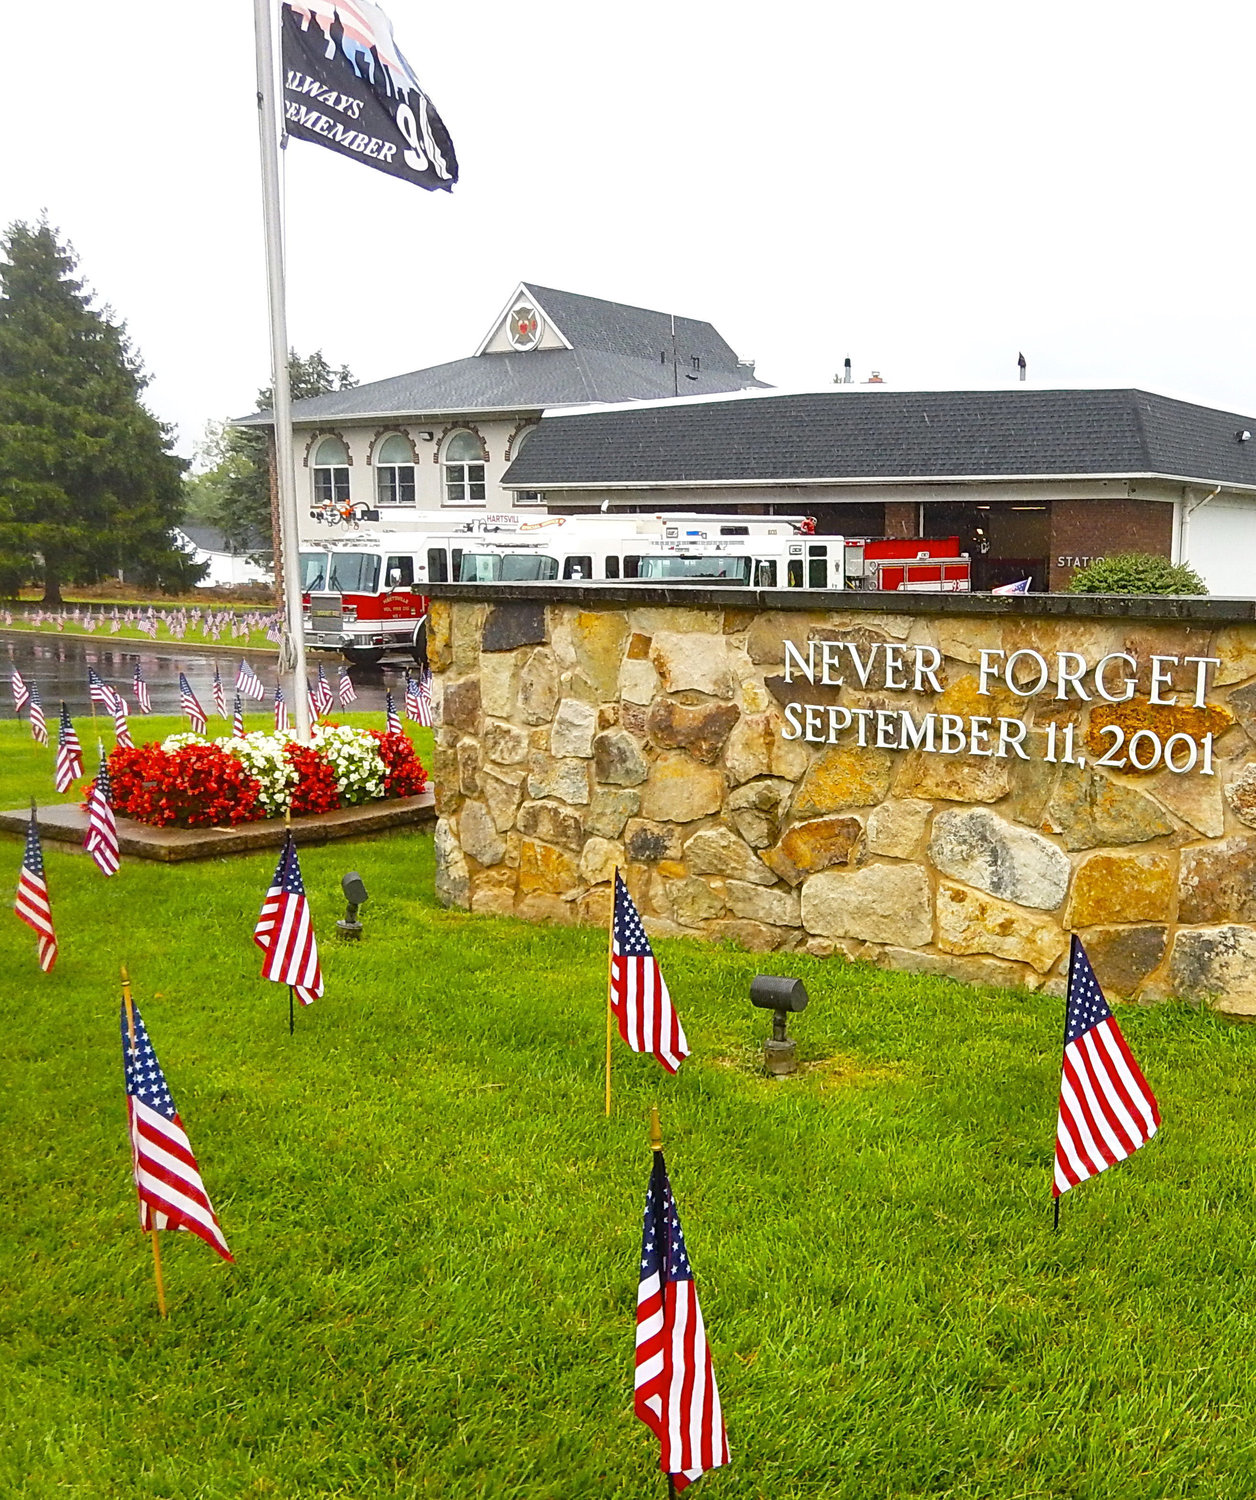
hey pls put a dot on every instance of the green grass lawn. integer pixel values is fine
(437, 1232)
(193, 635)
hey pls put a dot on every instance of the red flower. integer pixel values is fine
(316, 790)
(404, 775)
(197, 786)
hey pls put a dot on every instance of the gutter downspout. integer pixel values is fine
(1184, 527)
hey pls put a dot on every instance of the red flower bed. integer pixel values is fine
(194, 787)
(405, 776)
(316, 790)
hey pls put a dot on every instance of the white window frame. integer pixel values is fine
(458, 477)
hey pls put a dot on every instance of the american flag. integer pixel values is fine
(39, 727)
(98, 690)
(32, 904)
(647, 1019)
(281, 709)
(121, 730)
(1021, 587)
(237, 719)
(249, 683)
(21, 693)
(167, 1179)
(189, 704)
(220, 698)
(675, 1393)
(345, 690)
(69, 765)
(412, 699)
(322, 695)
(141, 693)
(393, 723)
(1106, 1109)
(102, 831)
(425, 699)
(284, 932)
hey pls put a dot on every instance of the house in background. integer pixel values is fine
(439, 439)
(226, 565)
(1035, 483)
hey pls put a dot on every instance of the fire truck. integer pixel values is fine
(364, 594)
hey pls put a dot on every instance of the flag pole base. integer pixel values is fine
(1057, 1213)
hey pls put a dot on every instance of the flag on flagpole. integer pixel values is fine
(167, 1180)
(97, 689)
(1021, 587)
(190, 705)
(346, 52)
(39, 726)
(675, 1393)
(220, 698)
(21, 693)
(281, 710)
(121, 730)
(323, 693)
(141, 693)
(425, 698)
(32, 905)
(102, 831)
(638, 992)
(412, 699)
(345, 690)
(237, 719)
(249, 683)
(1107, 1111)
(284, 932)
(69, 763)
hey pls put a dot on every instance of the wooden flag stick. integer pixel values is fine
(161, 1285)
(610, 1011)
(656, 1132)
(130, 1009)
(291, 1013)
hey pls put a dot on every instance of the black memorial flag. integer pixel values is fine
(347, 86)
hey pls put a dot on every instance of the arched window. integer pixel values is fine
(331, 472)
(525, 497)
(394, 472)
(464, 470)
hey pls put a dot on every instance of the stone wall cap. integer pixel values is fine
(1168, 608)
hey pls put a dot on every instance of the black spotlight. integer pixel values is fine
(355, 895)
(776, 993)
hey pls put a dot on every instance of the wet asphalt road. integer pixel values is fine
(60, 667)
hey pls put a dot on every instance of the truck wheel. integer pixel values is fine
(363, 656)
(419, 648)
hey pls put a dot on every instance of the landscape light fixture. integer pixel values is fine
(355, 895)
(780, 995)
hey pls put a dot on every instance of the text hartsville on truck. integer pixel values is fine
(364, 593)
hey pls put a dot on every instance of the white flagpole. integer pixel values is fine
(292, 645)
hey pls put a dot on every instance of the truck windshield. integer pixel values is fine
(313, 571)
(354, 573)
(510, 567)
(678, 568)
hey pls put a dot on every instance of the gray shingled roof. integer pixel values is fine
(898, 435)
(619, 353)
(212, 539)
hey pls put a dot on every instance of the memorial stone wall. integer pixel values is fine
(942, 785)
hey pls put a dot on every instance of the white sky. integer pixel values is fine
(929, 188)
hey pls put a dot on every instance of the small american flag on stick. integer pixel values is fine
(284, 932)
(322, 695)
(249, 683)
(39, 726)
(675, 1392)
(141, 693)
(101, 841)
(69, 764)
(220, 698)
(121, 730)
(281, 710)
(21, 693)
(190, 705)
(411, 699)
(392, 722)
(167, 1179)
(345, 689)
(237, 719)
(425, 698)
(32, 905)
(99, 691)
(639, 998)
(1107, 1111)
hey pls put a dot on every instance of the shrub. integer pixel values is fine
(1136, 573)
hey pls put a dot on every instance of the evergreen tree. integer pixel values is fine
(235, 489)
(87, 478)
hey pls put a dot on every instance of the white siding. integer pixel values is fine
(1221, 547)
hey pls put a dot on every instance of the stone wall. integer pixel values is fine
(579, 731)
